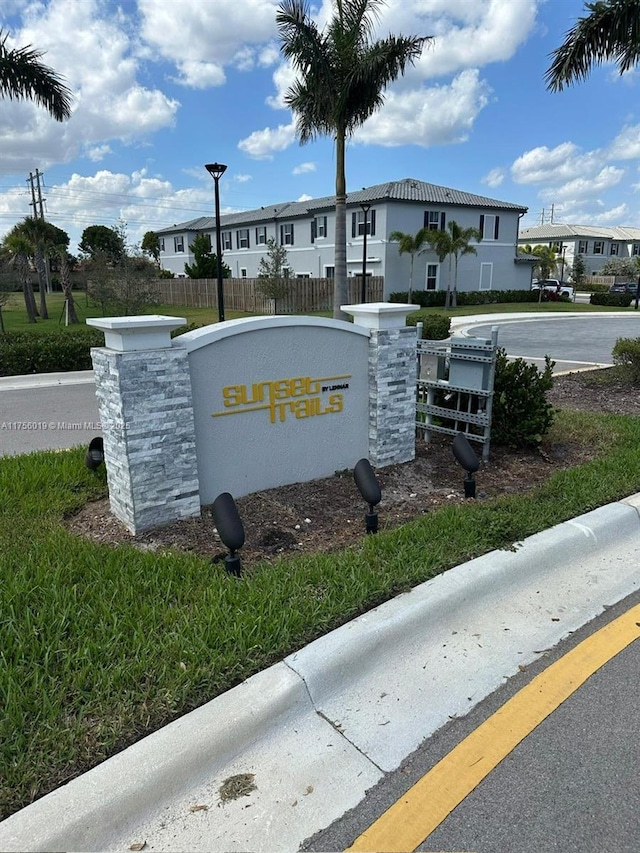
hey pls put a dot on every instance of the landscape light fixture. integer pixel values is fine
(465, 455)
(94, 456)
(217, 170)
(363, 290)
(369, 488)
(229, 524)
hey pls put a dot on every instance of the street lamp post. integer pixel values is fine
(564, 249)
(217, 170)
(363, 289)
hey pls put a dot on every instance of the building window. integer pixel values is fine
(286, 234)
(162, 244)
(635, 249)
(434, 220)
(357, 223)
(329, 272)
(243, 272)
(261, 235)
(178, 244)
(432, 277)
(489, 226)
(598, 247)
(242, 238)
(318, 228)
(303, 275)
(582, 247)
(556, 246)
(486, 276)
(226, 241)
(614, 249)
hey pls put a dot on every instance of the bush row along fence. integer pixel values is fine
(243, 294)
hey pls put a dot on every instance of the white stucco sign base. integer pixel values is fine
(249, 404)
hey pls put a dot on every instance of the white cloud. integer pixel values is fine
(201, 38)
(304, 197)
(587, 186)
(96, 56)
(242, 179)
(554, 165)
(626, 145)
(303, 168)
(494, 178)
(262, 143)
(97, 152)
(429, 116)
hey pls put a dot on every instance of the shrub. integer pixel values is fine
(435, 327)
(521, 414)
(621, 300)
(47, 352)
(626, 353)
(436, 298)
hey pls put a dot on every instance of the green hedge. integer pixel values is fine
(435, 327)
(621, 300)
(436, 298)
(22, 353)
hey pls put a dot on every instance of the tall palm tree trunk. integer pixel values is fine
(27, 289)
(340, 291)
(39, 260)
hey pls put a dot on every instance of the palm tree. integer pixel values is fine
(18, 247)
(453, 242)
(610, 32)
(547, 261)
(36, 232)
(343, 73)
(24, 77)
(410, 244)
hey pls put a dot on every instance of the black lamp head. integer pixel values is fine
(369, 488)
(467, 458)
(227, 519)
(94, 456)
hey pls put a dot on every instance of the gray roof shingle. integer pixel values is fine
(408, 189)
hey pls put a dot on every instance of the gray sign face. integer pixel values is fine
(277, 402)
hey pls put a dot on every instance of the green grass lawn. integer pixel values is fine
(15, 316)
(101, 645)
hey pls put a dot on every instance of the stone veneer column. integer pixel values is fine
(392, 380)
(146, 410)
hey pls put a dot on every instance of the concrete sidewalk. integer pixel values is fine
(321, 727)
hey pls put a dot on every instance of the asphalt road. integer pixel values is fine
(570, 785)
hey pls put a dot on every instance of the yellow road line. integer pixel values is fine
(409, 821)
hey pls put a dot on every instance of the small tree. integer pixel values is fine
(547, 262)
(411, 245)
(206, 261)
(273, 273)
(122, 288)
(99, 239)
(453, 242)
(620, 266)
(151, 245)
(578, 271)
(521, 415)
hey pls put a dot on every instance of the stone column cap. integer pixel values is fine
(380, 315)
(133, 334)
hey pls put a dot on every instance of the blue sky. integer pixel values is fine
(161, 88)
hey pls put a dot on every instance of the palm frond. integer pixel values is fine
(610, 32)
(23, 76)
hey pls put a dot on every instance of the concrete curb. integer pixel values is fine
(575, 568)
(45, 380)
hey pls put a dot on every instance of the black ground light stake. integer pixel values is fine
(229, 524)
(465, 455)
(369, 488)
(94, 456)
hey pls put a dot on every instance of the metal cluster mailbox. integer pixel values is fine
(455, 387)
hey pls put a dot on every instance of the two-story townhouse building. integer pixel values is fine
(306, 229)
(597, 244)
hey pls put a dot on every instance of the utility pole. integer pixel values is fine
(38, 213)
(38, 175)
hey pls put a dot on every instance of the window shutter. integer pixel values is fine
(282, 235)
(237, 239)
(482, 224)
(354, 224)
(372, 230)
(496, 230)
(313, 230)
(325, 225)
(292, 233)
(442, 221)
(426, 218)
